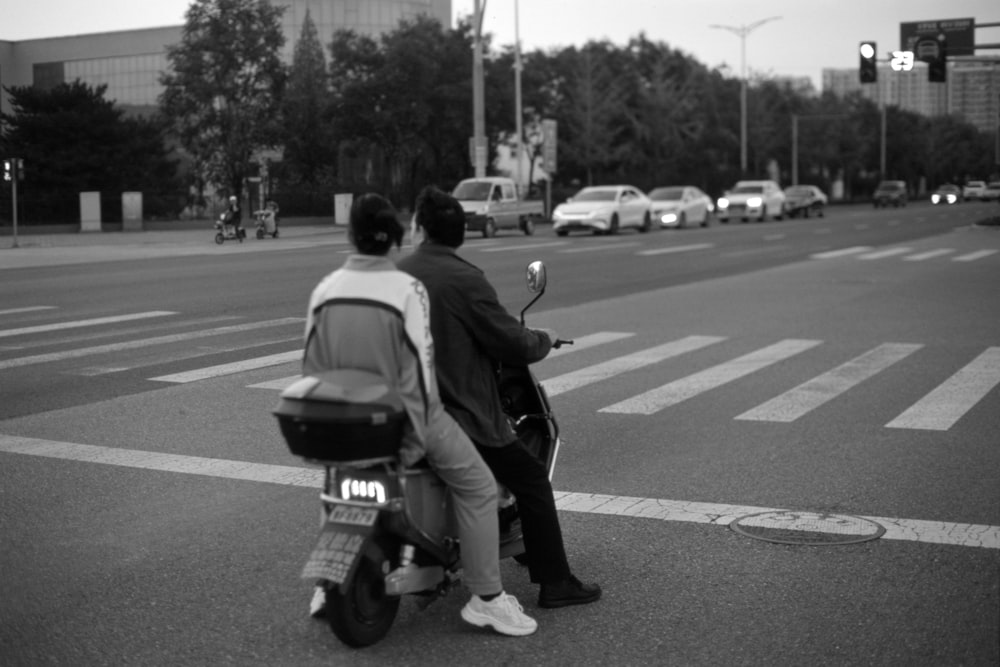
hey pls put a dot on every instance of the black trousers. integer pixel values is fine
(515, 467)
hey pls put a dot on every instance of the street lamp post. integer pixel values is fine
(742, 32)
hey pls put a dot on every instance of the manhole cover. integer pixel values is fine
(807, 528)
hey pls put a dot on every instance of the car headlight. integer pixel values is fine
(668, 218)
(952, 199)
(754, 202)
(935, 198)
(723, 203)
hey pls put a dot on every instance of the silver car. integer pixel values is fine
(678, 206)
(603, 209)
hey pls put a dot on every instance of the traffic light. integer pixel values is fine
(868, 72)
(8, 171)
(937, 68)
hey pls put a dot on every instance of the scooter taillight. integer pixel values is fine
(363, 486)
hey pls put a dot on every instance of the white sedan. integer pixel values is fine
(603, 209)
(680, 205)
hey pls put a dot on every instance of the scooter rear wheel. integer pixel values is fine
(260, 233)
(363, 614)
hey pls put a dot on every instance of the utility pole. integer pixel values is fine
(478, 102)
(517, 96)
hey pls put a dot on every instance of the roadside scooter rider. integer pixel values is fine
(234, 216)
(368, 315)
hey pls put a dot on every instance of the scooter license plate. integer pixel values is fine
(336, 551)
(354, 516)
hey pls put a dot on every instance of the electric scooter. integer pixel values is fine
(388, 529)
(226, 231)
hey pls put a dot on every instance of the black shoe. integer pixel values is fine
(568, 592)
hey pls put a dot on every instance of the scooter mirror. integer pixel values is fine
(536, 277)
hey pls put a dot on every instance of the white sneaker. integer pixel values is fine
(317, 606)
(502, 613)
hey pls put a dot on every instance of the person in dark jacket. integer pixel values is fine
(472, 331)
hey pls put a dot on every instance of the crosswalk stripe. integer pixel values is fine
(584, 376)
(879, 254)
(26, 309)
(928, 255)
(676, 248)
(843, 252)
(675, 392)
(810, 395)
(973, 256)
(527, 246)
(231, 368)
(145, 342)
(581, 343)
(945, 405)
(96, 321)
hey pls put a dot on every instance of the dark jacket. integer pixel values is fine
(472, 332)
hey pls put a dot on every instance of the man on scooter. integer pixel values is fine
(370, 316)
(234, 216)
(472, 331)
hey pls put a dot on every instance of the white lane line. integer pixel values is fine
(676, 248)
(863, 225)
(59, 326)
(879, 254)
(810, 395)
(581, 343)
(584, 376)
(527, 246)
(932, 532)
(842, 252)
(928, 255)
(973, 256)
(603, 246)
(231, 368)
(945, 405)
(146, 342)
(675, 392)
(32, 309)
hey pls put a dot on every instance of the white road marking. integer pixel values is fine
(928, 255)
(879, 254)
(676, 248)
(527, 246)
(675, 392)
(842, 252)
(584, 376)
(603, 246)
(27, 309)
(973, 256)
(231, 368)
(191, 353)
(581, 343)
(810, 395)
(931, 532)
(146, 342)
(945, 405)
(59, 326)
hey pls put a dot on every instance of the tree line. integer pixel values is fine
(353, 113)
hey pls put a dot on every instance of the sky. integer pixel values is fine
(808, 36)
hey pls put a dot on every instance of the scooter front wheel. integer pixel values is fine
(219, 238)
(362, 614)
(260, 233)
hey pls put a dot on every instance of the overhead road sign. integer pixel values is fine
(959, 33)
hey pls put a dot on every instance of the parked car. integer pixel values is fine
(947, 194)
(804, 200)
(491, 204)
(603, 209)
(890, 193)
(973, 190)
(751, 199)
(680, 205)
(992, 192)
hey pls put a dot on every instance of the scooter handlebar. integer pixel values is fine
(561, 341)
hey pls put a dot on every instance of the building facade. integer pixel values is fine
(972, 90)
(130, 62)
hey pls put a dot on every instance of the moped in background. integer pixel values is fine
(389, 530)
(267, 221)
(225, 230)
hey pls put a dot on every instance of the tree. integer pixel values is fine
(72, 140)
(308, 139)
(224, 84)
